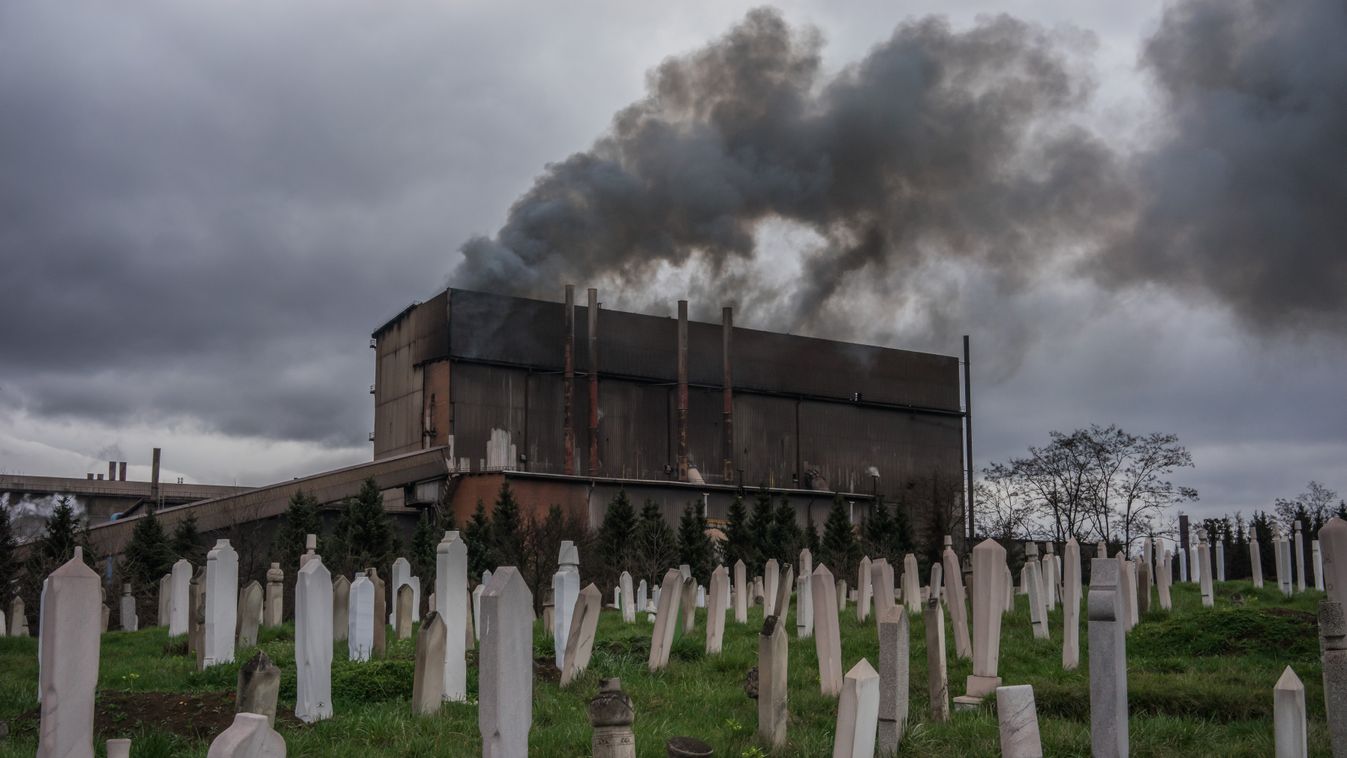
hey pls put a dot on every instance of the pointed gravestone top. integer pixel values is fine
(568, 555)
(1289, 682)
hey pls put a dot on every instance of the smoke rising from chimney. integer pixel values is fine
(945, 146)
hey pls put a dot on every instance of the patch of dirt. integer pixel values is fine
(194, 715)
(1292, 613)
(546, 670)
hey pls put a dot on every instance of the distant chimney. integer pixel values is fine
(90, 477)
(100, 477)
(682, 390)
(112, 471)
(726, 333)
(593, 382)
(154, 477)
(568, 382)
(121, 471)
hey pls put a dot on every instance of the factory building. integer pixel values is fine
(570, 402)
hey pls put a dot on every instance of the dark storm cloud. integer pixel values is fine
(1245, 197)
(937, 143)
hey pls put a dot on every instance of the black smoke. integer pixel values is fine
(937, 143)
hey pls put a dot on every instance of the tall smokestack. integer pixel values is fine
(726, 332)
(593, 382)
(568, 382)
(121, 471)
(154, 477)
(682, 390)
(112, 471)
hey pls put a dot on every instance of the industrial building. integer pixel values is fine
(570, 402)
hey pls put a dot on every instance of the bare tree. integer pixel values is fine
(1314, 506)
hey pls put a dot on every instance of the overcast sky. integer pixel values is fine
(205, 209)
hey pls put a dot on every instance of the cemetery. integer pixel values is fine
(1063, 654)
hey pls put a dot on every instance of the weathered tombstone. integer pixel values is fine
(857, 713)
(565, 590)
(119, 748)
(401, 574)
(250, 611)
(380, 608)
(1018, 721)
(627, 598)
(313, 642)
(1183, 564)
(864, 587)
(1204, 561)
(549, 614)
(222, 594)
(250, 736)
(783, 592)
(938, 675)
(505, 702)
(1318, 566)
(1256, 558)
(1220, 560)
(1288, 716)
(127, 610)
(666, 616)
(580, 637)
(957, 601)
(403, 613)
(360, 616)
(165, 599)
(611, 716)
(772, 686)
(770, 580)
(1071, 605)
(1282, 563)
(1038, 611)
(415, 584)
(1165, 579)
(1108, 661)
(1333, 545)
(1048, 568)
(259, 686)
(841, 595)
(428, 676)
(1143, 589)
(740, 593)
(827, 637)
(451, 593)
(18, 618)
(715, 614)
(894, 644)
(881, 593)
(989, 563)
(68, 660)
(274, 615)
(1333, 655)
(196, 624)
(804, 598)
(1127, 590)
(642, 596)
(1299, 547)
(341, 608)
(179, 598)
(911, 584)
(687, 605)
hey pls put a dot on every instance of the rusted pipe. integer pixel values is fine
(682, 390)
(726, 332)
(594, 466)
(568, 382)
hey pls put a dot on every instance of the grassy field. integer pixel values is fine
(1200, 683)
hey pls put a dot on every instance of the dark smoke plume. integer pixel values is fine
(938, 143)
(1246, 196)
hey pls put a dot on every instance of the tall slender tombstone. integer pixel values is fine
(250, 615)
(580, 639)
(166, 600)
(180, 603)
(18, 618)
(274, 614)
(1333, 655)
(1333, 547)
(1108, 661)
(1279, 556)
(957, 600)
(380, 609)
(549, 613)
(1051, 580)
(1183, 564)
(415, 583)
(313, 642)
(715, 612)
(1148, 552)
(882, 597)
(666, 617)
(565, 591)
(894, 645)
(827, 632)
(773, 657)
(401, 573)
(990, 578)
(1219, 570)
(857, 713)
(1256, 559)
(911, 584)
(627, 599)
(127, 610)
(1288, 716)
(1318, 566)
(1204, 560)
(864, 589)
(1165, 579)
(222, 593)
(196, 625)
(687, 605)
(1071, 605)
(783, 591)
(341, 608)
(402, 613)
(937, 674)
(250, 736)
(1299, 548)
(451, 592)
(428, 674)
(804, 613)
(841, 595)
(1019, 722)
(1127, 589)
(1143, 589)
(1288, 560)
(740, 593)
(361, 619)
(771, 577)
(68, 660)
(505, 702)
(1038, 611)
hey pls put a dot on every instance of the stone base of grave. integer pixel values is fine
(981, 686)
(964, 703)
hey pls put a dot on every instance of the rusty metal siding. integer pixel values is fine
(764, 431)
(842, 442)
(486, 398)
(397, 385)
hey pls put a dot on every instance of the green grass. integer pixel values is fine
(1200, 683)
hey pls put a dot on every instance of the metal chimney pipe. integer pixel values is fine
(112, 471)
(121, 471)
(568, 382)
(726, 335)
(90, 477)
(593, 382)
(682, 390)
(154, 477)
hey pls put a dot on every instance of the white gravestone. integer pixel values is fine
(827, 634)
(1288, 716)
(989, 563)
(451, 592)
(626, 596)
(402, 574)
(565, 591)
(313, 642)
(250, 736)
(1071, 605)
(505, 688)
(1019, 722)
(857, 713)
(68, 635)
(179, 604)
(1108, 661)
(222, 598)
(360, 615)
